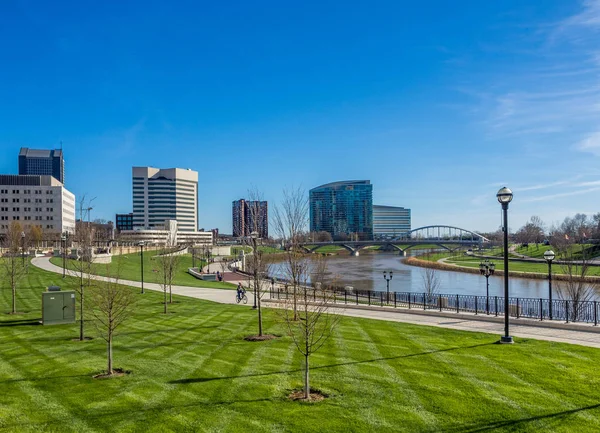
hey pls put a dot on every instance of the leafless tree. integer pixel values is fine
(111, 306)
(13, 264)
(575, 287)
(315, 311)
(168, 265)
(431, 283)
(291, 219)
(35, 235)
(259, 267)
(84, 237)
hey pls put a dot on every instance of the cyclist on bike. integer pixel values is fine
(240, 292)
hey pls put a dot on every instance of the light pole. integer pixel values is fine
(64, 239)
(486, 269)
(504, 197)
(23, 247)
(549, 256)
(387, 280)
(254, 236)
(141, 245)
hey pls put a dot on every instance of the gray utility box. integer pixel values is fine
(58, 307)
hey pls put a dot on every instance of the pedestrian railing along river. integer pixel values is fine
(532, 308)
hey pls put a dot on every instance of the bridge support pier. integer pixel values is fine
(402, 253)
(356, 254)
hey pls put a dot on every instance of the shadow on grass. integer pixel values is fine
(20, 322)
(101, 416)
(39, 379)
(389, 358)
(517, 424)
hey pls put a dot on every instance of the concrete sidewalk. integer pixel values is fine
(574, 334)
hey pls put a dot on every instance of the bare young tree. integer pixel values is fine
(258, 265)
(168, 265)
(575, 288)
(111, 305)
(14, 266)
(291, 219)
(84, 238)
(431, 283)
(315, 311)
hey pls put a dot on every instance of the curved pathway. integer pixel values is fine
(579, 334)
(216, 295)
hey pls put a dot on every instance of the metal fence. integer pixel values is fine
(532, 308)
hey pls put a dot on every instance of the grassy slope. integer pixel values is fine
(131, 269)
(193, 372)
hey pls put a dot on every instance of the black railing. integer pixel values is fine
(531, 308)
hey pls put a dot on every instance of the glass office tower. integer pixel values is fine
(343, 209)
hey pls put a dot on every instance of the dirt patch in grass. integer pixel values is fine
(117, 372)
(265, 337)
(315, 395)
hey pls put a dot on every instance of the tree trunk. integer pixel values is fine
(295, 302)
(110, 355)
(170, 295)
(260, 327)
(165, 292)
(14, 298)
(81, 334)
(306, 378)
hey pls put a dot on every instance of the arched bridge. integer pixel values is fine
(446, 237)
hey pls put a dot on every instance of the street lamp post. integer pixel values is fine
(254, 236)
(387, 280)
(23, 247)
(486, 269)
(504, 197)
(141, 245)
(64, 240)
(549, 256)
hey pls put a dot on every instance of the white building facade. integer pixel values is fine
(39, 201)
(165, 194)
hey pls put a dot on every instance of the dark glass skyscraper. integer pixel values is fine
(343, 209)
(42, 163)
(248, 216)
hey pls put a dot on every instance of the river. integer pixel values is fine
(365, 272)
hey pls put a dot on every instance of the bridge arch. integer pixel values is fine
(444, 232)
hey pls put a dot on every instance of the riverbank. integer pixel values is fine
(415, 261)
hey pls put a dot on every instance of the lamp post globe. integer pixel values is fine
(549, 256)
(505, 196)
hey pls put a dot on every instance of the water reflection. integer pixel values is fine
(366, 273)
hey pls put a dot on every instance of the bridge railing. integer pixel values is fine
(532, 308)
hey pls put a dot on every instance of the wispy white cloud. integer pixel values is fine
(555, 90)
(561, 194)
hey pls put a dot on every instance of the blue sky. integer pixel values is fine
(438, 103)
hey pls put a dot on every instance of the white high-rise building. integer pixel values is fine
(165, 194)
(36, 201)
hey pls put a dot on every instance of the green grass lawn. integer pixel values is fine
(541, 268)
(192, 371)
(131, 269)
(575, 250)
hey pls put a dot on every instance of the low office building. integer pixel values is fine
(165, 237)
(40, 201)
(124, 221)
(390, 222)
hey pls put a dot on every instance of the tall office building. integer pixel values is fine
(42, 163)
(390, 221)
(165, 194)
(249, 216)
(343, 209)
(36, 201)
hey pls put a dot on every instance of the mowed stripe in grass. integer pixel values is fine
(192, 371)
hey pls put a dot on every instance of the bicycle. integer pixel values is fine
(243, 299)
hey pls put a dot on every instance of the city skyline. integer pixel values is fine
(439, 112)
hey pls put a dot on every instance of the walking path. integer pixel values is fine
(585, 335)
